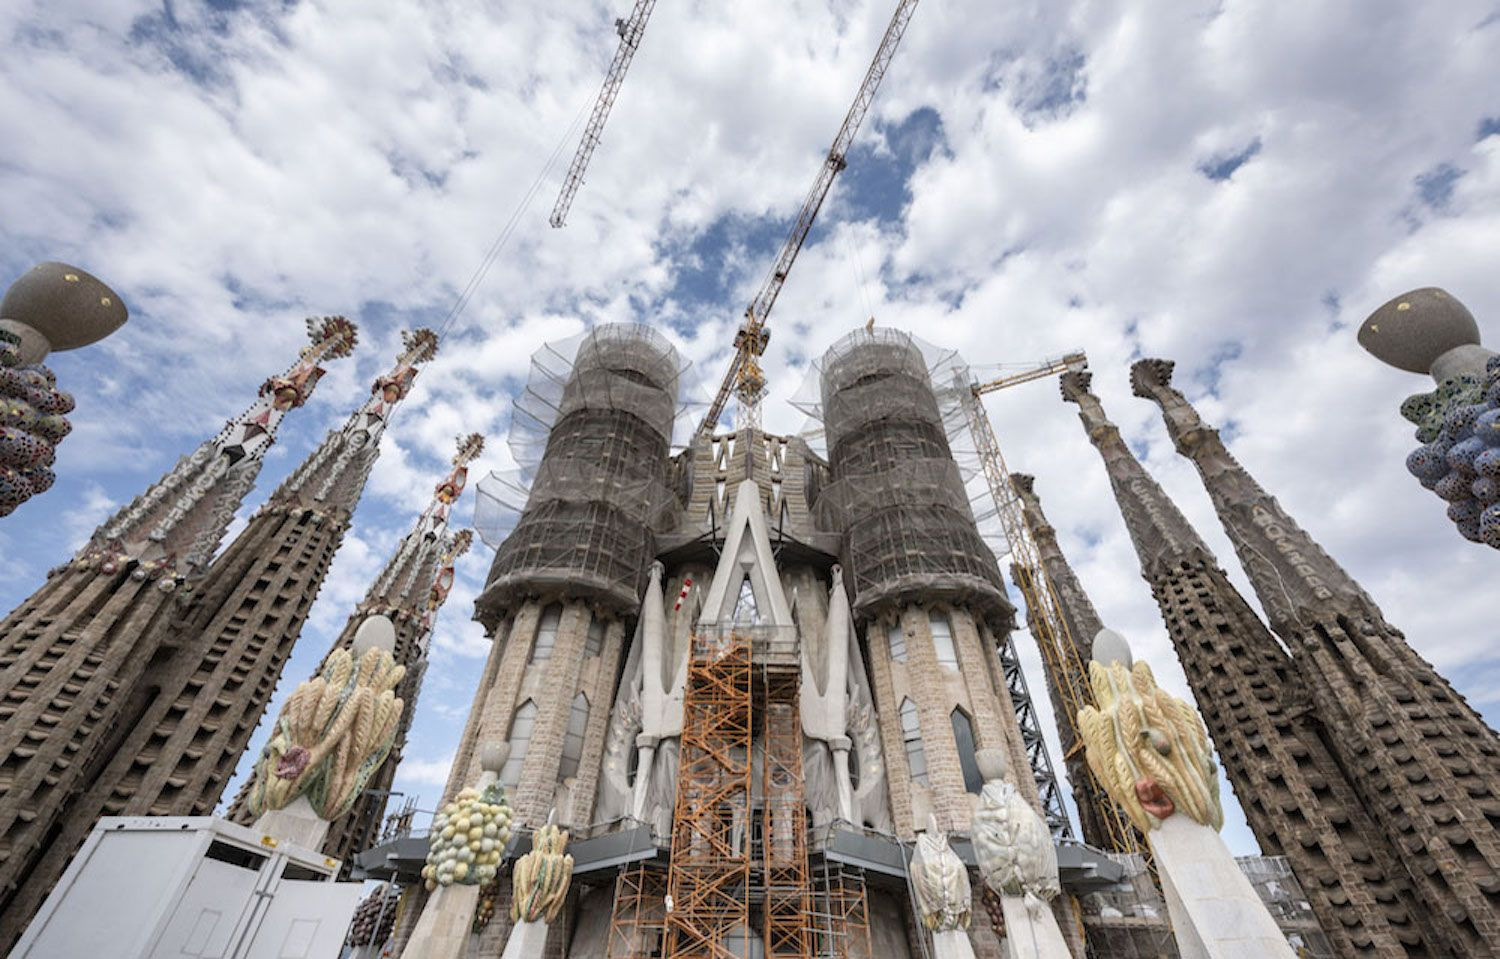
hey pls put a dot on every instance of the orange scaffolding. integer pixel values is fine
(787, 906)
(708, 882)
(640, 915)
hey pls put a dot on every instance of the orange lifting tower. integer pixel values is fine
(708, 883)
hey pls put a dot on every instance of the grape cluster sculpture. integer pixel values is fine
(468, 837)
(32, 423)
(1459, 459)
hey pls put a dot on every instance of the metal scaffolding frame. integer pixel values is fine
(784, 876)
(708, 883)
(638, 923)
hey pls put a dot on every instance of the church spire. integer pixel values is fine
(402, 575)
(1158, 529)
(1290, 573)
(333, 477)
(409, 591)
(1259, 722)
(174, 528)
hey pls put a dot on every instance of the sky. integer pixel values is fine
(1230, 184)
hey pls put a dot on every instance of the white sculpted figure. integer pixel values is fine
(1013, 845)
(1018, 862)
(940, 881)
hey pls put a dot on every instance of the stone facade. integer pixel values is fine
(1277, 756)
(1420, 758)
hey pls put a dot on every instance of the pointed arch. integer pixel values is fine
(572, 744)
(521, 725)
(963, 738)
(895, 638)
(911, 736)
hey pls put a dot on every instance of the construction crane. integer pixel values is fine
(745, 377)
(630, 31)
(1047, 623)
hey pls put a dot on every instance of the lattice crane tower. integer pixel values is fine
(1063, 653)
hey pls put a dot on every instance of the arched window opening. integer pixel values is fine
(896, 637)
(593, 642)
(520, 740)
(911, 734)
(546, 634)
(942, 640)
(963, 738)
(572, 746)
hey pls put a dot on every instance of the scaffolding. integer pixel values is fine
(591, 435)
(638, 924)
(898, 497)
(787, 903)
(708, 883)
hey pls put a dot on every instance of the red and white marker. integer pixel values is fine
(687, 584)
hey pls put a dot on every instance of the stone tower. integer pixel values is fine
(922, 582)
(1083, 625)
(1422, 760)
(86, 652)
(409, 591)
(920, 577)
(595, 432)
(1277, 757)
(209, 679)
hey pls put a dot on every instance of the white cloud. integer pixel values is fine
(231, 172)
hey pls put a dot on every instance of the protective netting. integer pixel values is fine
(592, 434)
(905, 483)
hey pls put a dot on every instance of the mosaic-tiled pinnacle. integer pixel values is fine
(1296, 798)
(1423, 761)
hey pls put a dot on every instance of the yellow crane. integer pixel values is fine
(744, 378)
(1046, 621)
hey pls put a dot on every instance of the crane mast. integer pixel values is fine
(630, 31)
(744, 377)
(1046, 620)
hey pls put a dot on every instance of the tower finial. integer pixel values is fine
(176, 526)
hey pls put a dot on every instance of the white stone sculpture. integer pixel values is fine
(1150, 751)
(1018, 861)
(944, 898)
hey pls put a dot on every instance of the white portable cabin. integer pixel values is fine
(152, 887)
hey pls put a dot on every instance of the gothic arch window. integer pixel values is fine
(896, 638)
(572, 746)
(942, 639)
(593, 642)
(911, 735)
(520, 739)
(963, 738)
(546, 634)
